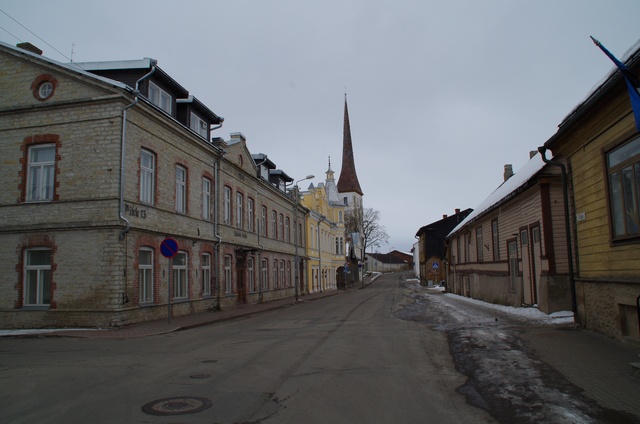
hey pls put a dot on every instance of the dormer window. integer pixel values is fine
(198, 125)
(160, 98)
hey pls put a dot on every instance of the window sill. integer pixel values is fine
(36, 308)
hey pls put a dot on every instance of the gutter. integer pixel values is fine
(567, 224)
(123, 146)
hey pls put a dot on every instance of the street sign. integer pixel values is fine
(169, 248)
(435, 265)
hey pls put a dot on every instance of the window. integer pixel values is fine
(45, 90)
(198, 125)
(181, 189)
(239, 215)
(300, 238)
(275, 273)
(340, 216)
(282, 280)
(479, 244)
(37, 277)
(337, 245)
(147, 177)
(160, 98)
(264, 274)
(288, 273)
(145, 274)
(227, 205)
(274, 224)
(180, 282)
(250, 215)
(41, 173)
(228, 284)
(206, 274)
(252, 275)
(495, 240)
(623, 167)
(341, 246)
(281, 226)
(467, 243)
(206, 198)
(263, 221)
(287, 229)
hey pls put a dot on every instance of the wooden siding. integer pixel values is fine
(608, 125)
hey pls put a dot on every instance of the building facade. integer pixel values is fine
(326, 239)
(599, 145)
(102, 163)
(511, 249)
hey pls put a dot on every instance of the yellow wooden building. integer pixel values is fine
(599, 144)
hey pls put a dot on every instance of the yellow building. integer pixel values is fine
(325, 241)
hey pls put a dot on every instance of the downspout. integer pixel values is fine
(259, 264)
(123, 146)
(567, 222)
(216, 233)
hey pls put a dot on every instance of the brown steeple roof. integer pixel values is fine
(348, 181)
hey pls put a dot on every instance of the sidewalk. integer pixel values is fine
(185, 322)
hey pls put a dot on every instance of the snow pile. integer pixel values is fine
(530, 313)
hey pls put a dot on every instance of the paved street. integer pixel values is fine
(342, 359)
(391, 352)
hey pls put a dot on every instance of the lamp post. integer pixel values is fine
(296, 260)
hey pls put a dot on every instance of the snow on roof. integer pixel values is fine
(145, 63)
(505, 190)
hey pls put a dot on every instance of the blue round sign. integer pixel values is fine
(169, 248)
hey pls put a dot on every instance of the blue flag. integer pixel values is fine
(633, 83)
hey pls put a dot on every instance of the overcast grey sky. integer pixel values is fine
(441, 94)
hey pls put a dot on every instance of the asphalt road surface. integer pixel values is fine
(343, 359)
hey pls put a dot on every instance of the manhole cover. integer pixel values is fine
(177, 406)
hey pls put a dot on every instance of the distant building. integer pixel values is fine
(431, 242)
(386, 262)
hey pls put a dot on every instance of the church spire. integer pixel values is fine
(348, 181)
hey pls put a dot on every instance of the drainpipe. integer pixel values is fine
(567, 222)
(123, 146)
(216, 248)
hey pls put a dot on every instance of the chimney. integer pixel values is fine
(30, 48)
(238, 135)
(444, 216)
(508, 171)
(457, 211)
(532, 153)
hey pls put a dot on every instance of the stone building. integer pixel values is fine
(102, 162)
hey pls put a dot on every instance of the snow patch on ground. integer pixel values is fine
(531, 313)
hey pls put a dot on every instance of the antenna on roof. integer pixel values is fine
(72, 51)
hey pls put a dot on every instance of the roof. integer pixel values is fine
(348, 180)
(386, 258)
(505, 191)
(630, 58)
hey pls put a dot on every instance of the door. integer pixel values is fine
(241, 258)
(527, 289)
(537, 262)
(513, 265)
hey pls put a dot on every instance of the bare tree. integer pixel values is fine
(366, 222)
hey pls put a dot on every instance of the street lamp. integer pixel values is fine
(296, 260)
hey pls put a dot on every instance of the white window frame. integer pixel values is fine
(239, 214)
(160, 98)
(227, 205)
(275, 274)
(263, 221)
(250, 214)
(264, 273)
(287, 229)
(206, 274)
(41, 175)
(181, 189)
(282, 280)
(180, 276)
(252, 275)
(228, 283)
(145, 276)
(199, 125)
(206, 198)
(274, 224)
(147, 177)
(42, 274)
